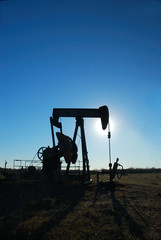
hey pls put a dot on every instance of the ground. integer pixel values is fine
(37, 209)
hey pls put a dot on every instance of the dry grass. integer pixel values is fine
(35, 210)
(144, 179)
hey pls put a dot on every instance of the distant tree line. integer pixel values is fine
(131, 170)
(125, 171)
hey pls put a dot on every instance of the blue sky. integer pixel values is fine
(81, 54)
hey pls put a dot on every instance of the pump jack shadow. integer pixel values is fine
(71, 197)
(63, 198)
(121, 215)
(120, 212)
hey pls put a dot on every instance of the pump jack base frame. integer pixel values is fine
(67, 179)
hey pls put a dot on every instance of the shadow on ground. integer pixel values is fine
(20, 202)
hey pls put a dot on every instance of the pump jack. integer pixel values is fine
(67, 147)
(51, 156)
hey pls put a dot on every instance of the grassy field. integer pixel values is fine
(144, 179)
(35, 209)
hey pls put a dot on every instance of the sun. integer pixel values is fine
(112, 124)
(98, 127)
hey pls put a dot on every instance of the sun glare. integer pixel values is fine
(112, 125)
(98, 127)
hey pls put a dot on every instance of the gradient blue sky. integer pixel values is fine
(58, 54)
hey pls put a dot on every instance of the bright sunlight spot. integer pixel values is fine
(98, 127)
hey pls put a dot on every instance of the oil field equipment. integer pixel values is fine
(67, 147)
(113, 171)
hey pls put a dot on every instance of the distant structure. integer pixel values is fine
(24, 164)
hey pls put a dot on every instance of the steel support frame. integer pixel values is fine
(86, 172)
